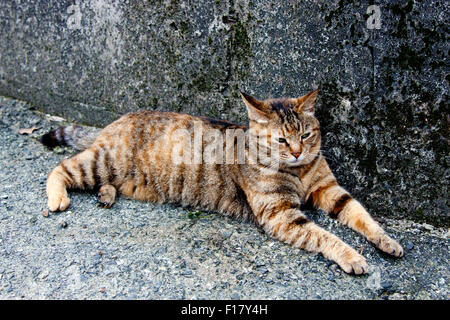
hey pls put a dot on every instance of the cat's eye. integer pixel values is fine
(306, 135)
(282, 140)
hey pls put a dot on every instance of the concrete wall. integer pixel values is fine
(384, 82)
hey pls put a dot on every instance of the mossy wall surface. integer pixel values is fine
(383, 99)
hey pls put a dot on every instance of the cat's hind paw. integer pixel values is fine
(107, 195)
(58, 202)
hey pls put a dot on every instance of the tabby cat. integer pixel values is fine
(157, 156)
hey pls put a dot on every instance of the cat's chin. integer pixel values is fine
(296, 163)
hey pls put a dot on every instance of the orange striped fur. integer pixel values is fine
(134, 157)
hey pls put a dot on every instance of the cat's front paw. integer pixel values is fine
(353, 262)
(388, 245)
(58, 201)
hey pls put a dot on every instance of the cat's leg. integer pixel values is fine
(78, 172)
(285, 222)
(339, 204)
(57, 182)
(107, 195)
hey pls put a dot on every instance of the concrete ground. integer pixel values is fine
(141, 250)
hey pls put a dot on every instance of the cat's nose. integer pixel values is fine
(296, 154)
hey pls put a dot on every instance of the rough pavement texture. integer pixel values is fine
(384, 92)
(139, 250)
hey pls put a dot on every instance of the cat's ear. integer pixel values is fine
(257, 110)
(306, 103)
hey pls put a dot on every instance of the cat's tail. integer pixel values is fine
(77, 137)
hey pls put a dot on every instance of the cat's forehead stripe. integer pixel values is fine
(289, 119)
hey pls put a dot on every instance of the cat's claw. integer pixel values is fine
(389, 245)
(105, 201)
(107, 196)
(58, 203)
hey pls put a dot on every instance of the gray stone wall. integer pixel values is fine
(383, 82)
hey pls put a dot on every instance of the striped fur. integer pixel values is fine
(77, 137)
(133, 157)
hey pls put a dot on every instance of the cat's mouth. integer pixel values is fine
(293, 161)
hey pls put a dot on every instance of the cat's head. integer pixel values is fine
(291, 130)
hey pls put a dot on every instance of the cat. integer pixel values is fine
(157, 156)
